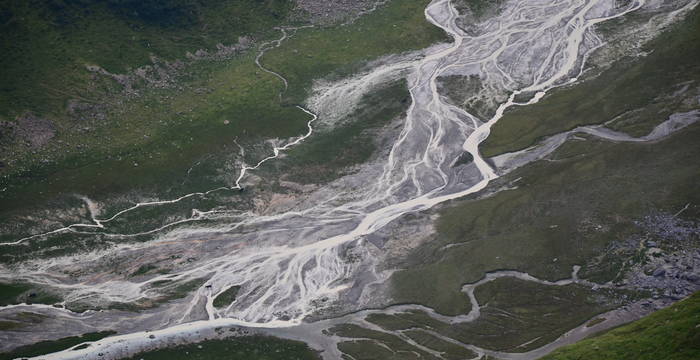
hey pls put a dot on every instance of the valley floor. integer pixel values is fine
(446, 179)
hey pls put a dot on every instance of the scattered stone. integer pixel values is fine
(334, 11)
(659, 272)
(151, 336)
(34, 130)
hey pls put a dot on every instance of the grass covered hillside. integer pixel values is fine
(46, 45)
(670, 334)
(82, 84)
(100, 97)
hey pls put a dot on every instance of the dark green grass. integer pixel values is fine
(227, 297)
(17, 293)
(10, 292)
(58, 245)
(630, 84)
(338, 51)
(47, 44)
(326, 155)
(144, 269)
(239, 348)
(449, 350)
(184, 125)
(363, 349)
(516, 315)
(519, 316)
(46, 347)
(550, 221)
(670, 334)
(127, 160)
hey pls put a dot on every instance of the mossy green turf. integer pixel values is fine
(330, 153)
(448, 350)
(376, 348)
(516, 315)
(670, 334)
(47, 44)
(327, 155)
(227, 297)
(183, 125)
(46, 347)
(17, 293)
(316, 52)
(561, 213)
(519, 315)
(630, 84)
(237, 348)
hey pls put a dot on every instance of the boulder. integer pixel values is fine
(659, 272)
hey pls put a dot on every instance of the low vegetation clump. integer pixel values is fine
(330, 154)
(22, 293)
(237, 348)
(227, 297)
(46, 347)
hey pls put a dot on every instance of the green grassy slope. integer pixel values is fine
(46, 44)
(319, 52)
(561, 213)
(583, 207)
(516, 315)
(324, 156)
(46, 347)
(46, 48)
(630, 84)
(18, 293)
(670, 334)
(158, 135)
(239, 348)
(243, 348)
